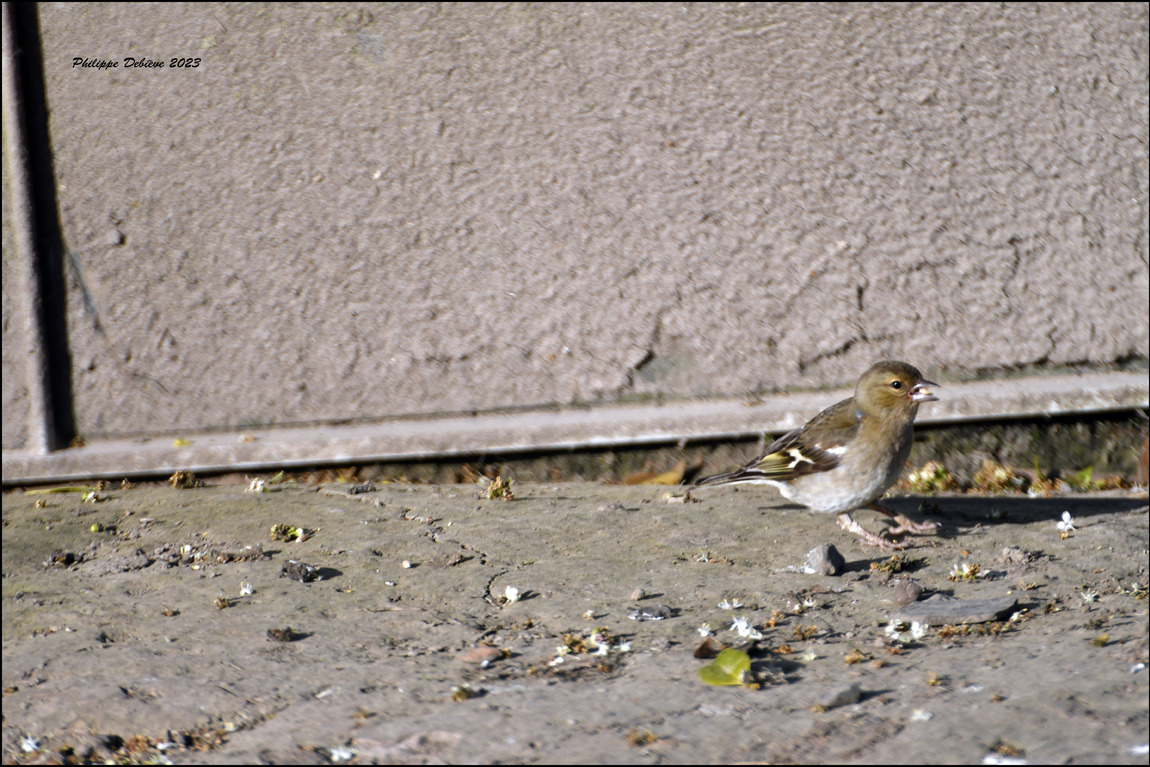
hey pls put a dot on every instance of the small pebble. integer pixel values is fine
(299, 571)
(824, 560)
(482, 654)
(652, 613)
(637, 594)
(283, 635)
(844, 696)
(1013, 555)
(906, 591)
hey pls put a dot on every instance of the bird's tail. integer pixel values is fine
(730, 478)
(714, 479)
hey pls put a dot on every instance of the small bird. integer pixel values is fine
(848, 455)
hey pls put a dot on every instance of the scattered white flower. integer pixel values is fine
(624, 647)
(730, 604)
(965, 570)
(341, 754)
(1067, 523)
(602, 649)
(1016, 617)
(589, 615)
(705, 630)
(903, 634)
(1141, 750)
(29, 744)
(557, 659)
(744, 628)
(1000, 759)
(918, 715)
(1137, 667)
(798, 607)
(1136, 589)
(809, 656)
(246, 589)
(1089, 596)
(510, 595)
(256, 485)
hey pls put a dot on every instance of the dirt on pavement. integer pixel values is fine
(153, 625)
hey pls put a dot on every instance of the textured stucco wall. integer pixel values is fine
(15, 378)
(360, 211)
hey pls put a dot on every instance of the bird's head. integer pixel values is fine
(891, 386)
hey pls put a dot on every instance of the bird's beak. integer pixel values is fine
(923, 391)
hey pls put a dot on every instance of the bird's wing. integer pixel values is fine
(817, 446)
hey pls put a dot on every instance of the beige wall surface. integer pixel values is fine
(15, 411)
(361, 211)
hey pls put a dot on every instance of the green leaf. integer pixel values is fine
(1082, 480)
(730, 667)
(69, 489)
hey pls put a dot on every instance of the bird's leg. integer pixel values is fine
(846, 522)
(905, 525)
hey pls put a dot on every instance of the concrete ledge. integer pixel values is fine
(608, 426)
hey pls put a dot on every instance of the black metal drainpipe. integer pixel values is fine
(36, 224)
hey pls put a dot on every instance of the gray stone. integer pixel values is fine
(906, 591)
(844, 696)
(941, 609)
(824, 560)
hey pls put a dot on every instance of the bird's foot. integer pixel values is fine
(846, 522)
(904, 524)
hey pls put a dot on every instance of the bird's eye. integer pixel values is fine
(896, 384)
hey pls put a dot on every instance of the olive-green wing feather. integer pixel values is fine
(817, 446)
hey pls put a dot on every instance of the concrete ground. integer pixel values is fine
(143, 626)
